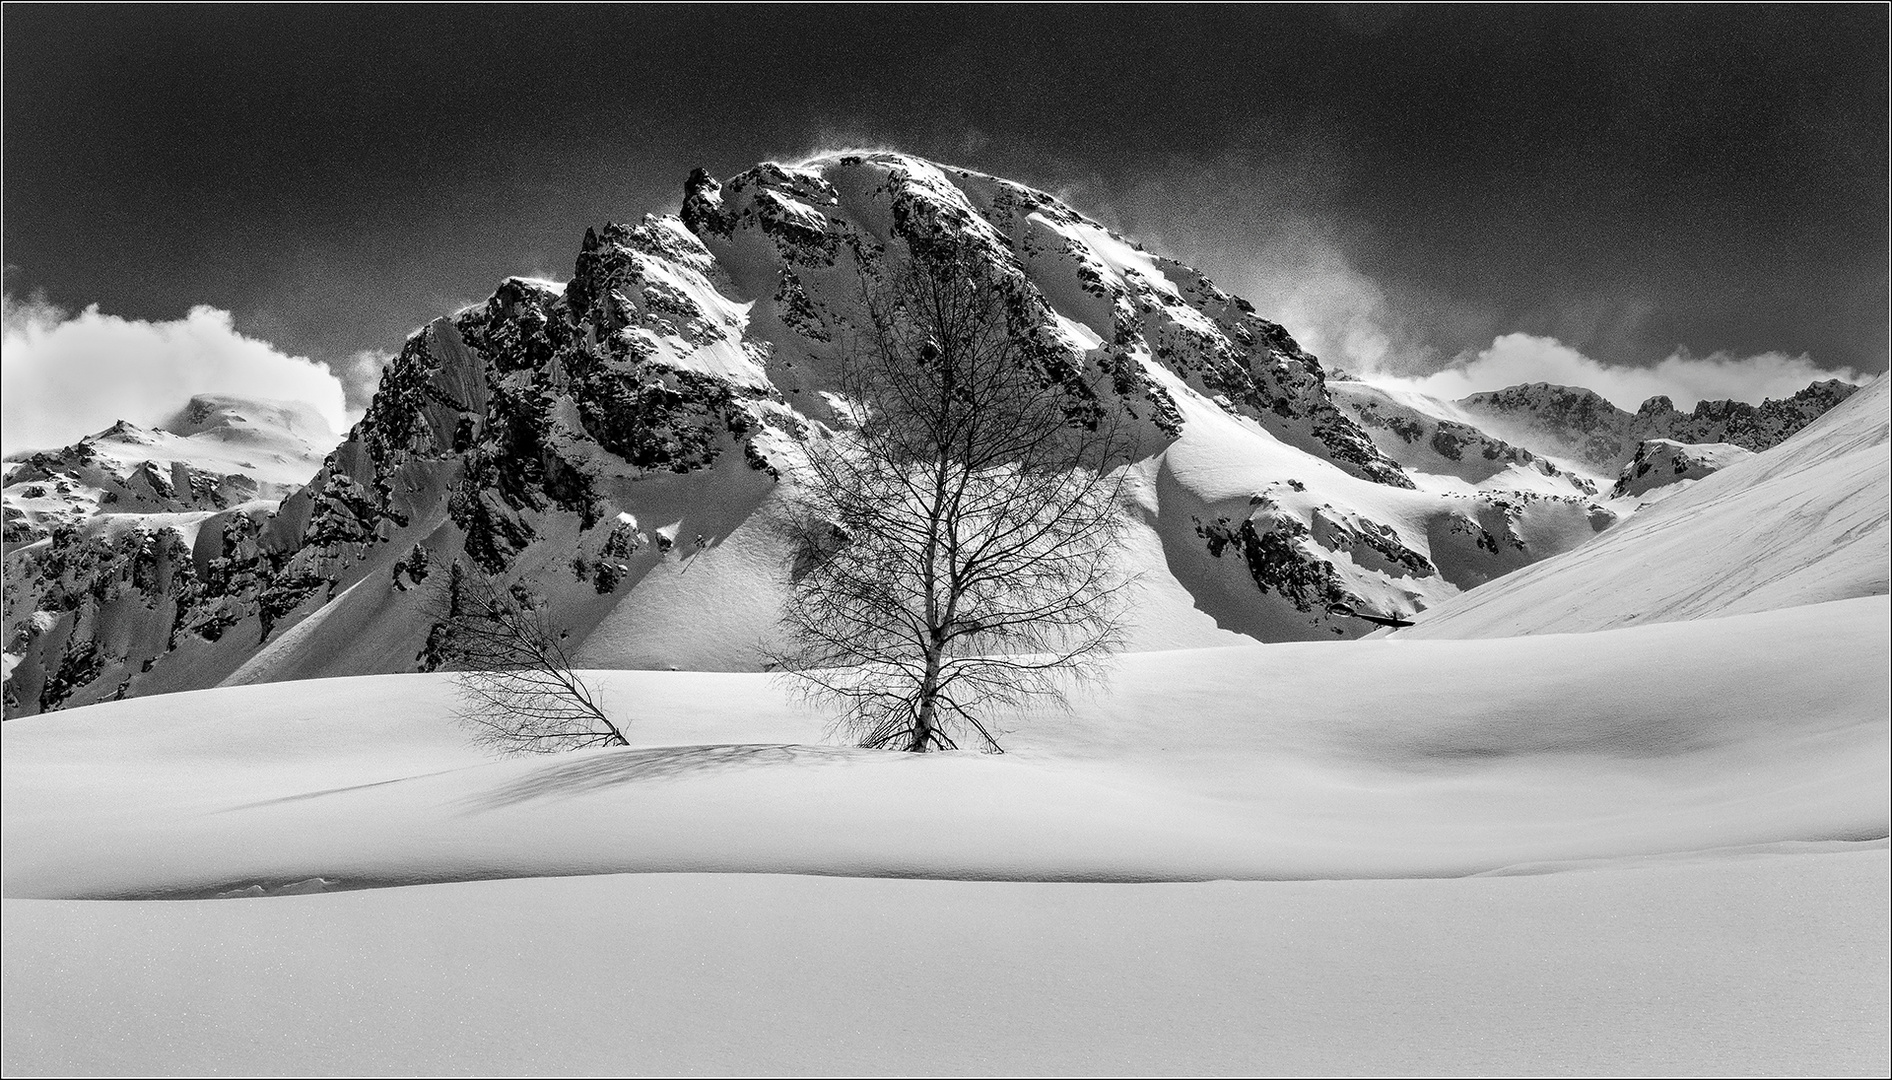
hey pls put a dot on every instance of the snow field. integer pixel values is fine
(1758, 964)
(1345, 760)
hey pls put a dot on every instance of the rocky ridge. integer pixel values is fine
(1587, 429)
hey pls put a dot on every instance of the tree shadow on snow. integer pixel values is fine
(606, 768)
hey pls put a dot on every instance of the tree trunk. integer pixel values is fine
(925, 720)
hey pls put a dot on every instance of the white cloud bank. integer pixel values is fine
(1685, 379)
(64, 376)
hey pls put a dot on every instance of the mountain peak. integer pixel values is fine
(206, 413)
(123, 431)
(567, 435)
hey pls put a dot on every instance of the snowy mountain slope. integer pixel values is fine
(1647, 860)
(1436, 440)
(1802, 523)
(1440, 758)
(1661, 462)
(616, 443)
(1585, 430)
(111, 532)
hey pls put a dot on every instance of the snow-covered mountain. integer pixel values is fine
(1653, 829)
(615, 441)
(97, 532)
(217, 452)
(1573, 436)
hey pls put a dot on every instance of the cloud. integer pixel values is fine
(360, 375)
(1685, 379)
(64, 376)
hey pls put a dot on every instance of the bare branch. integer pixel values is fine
(518, 691)
(963, 535)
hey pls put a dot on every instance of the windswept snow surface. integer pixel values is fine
(1802, 523)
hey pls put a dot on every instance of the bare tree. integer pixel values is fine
(517, 688)
(954, 553)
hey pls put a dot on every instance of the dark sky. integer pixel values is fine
(1626, 179)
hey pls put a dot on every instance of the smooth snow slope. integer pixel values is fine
(1802, 523)
(1372, 759)
(1756, 965)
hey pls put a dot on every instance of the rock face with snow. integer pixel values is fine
(1430, 437)
(120, 541)
(1661, 462)
(615, 442)
(1585, 428)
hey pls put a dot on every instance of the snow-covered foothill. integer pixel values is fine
(1801, 523)
(1661, 462)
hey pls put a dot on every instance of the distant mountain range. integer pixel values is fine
(614, 442)
(1804, 522)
